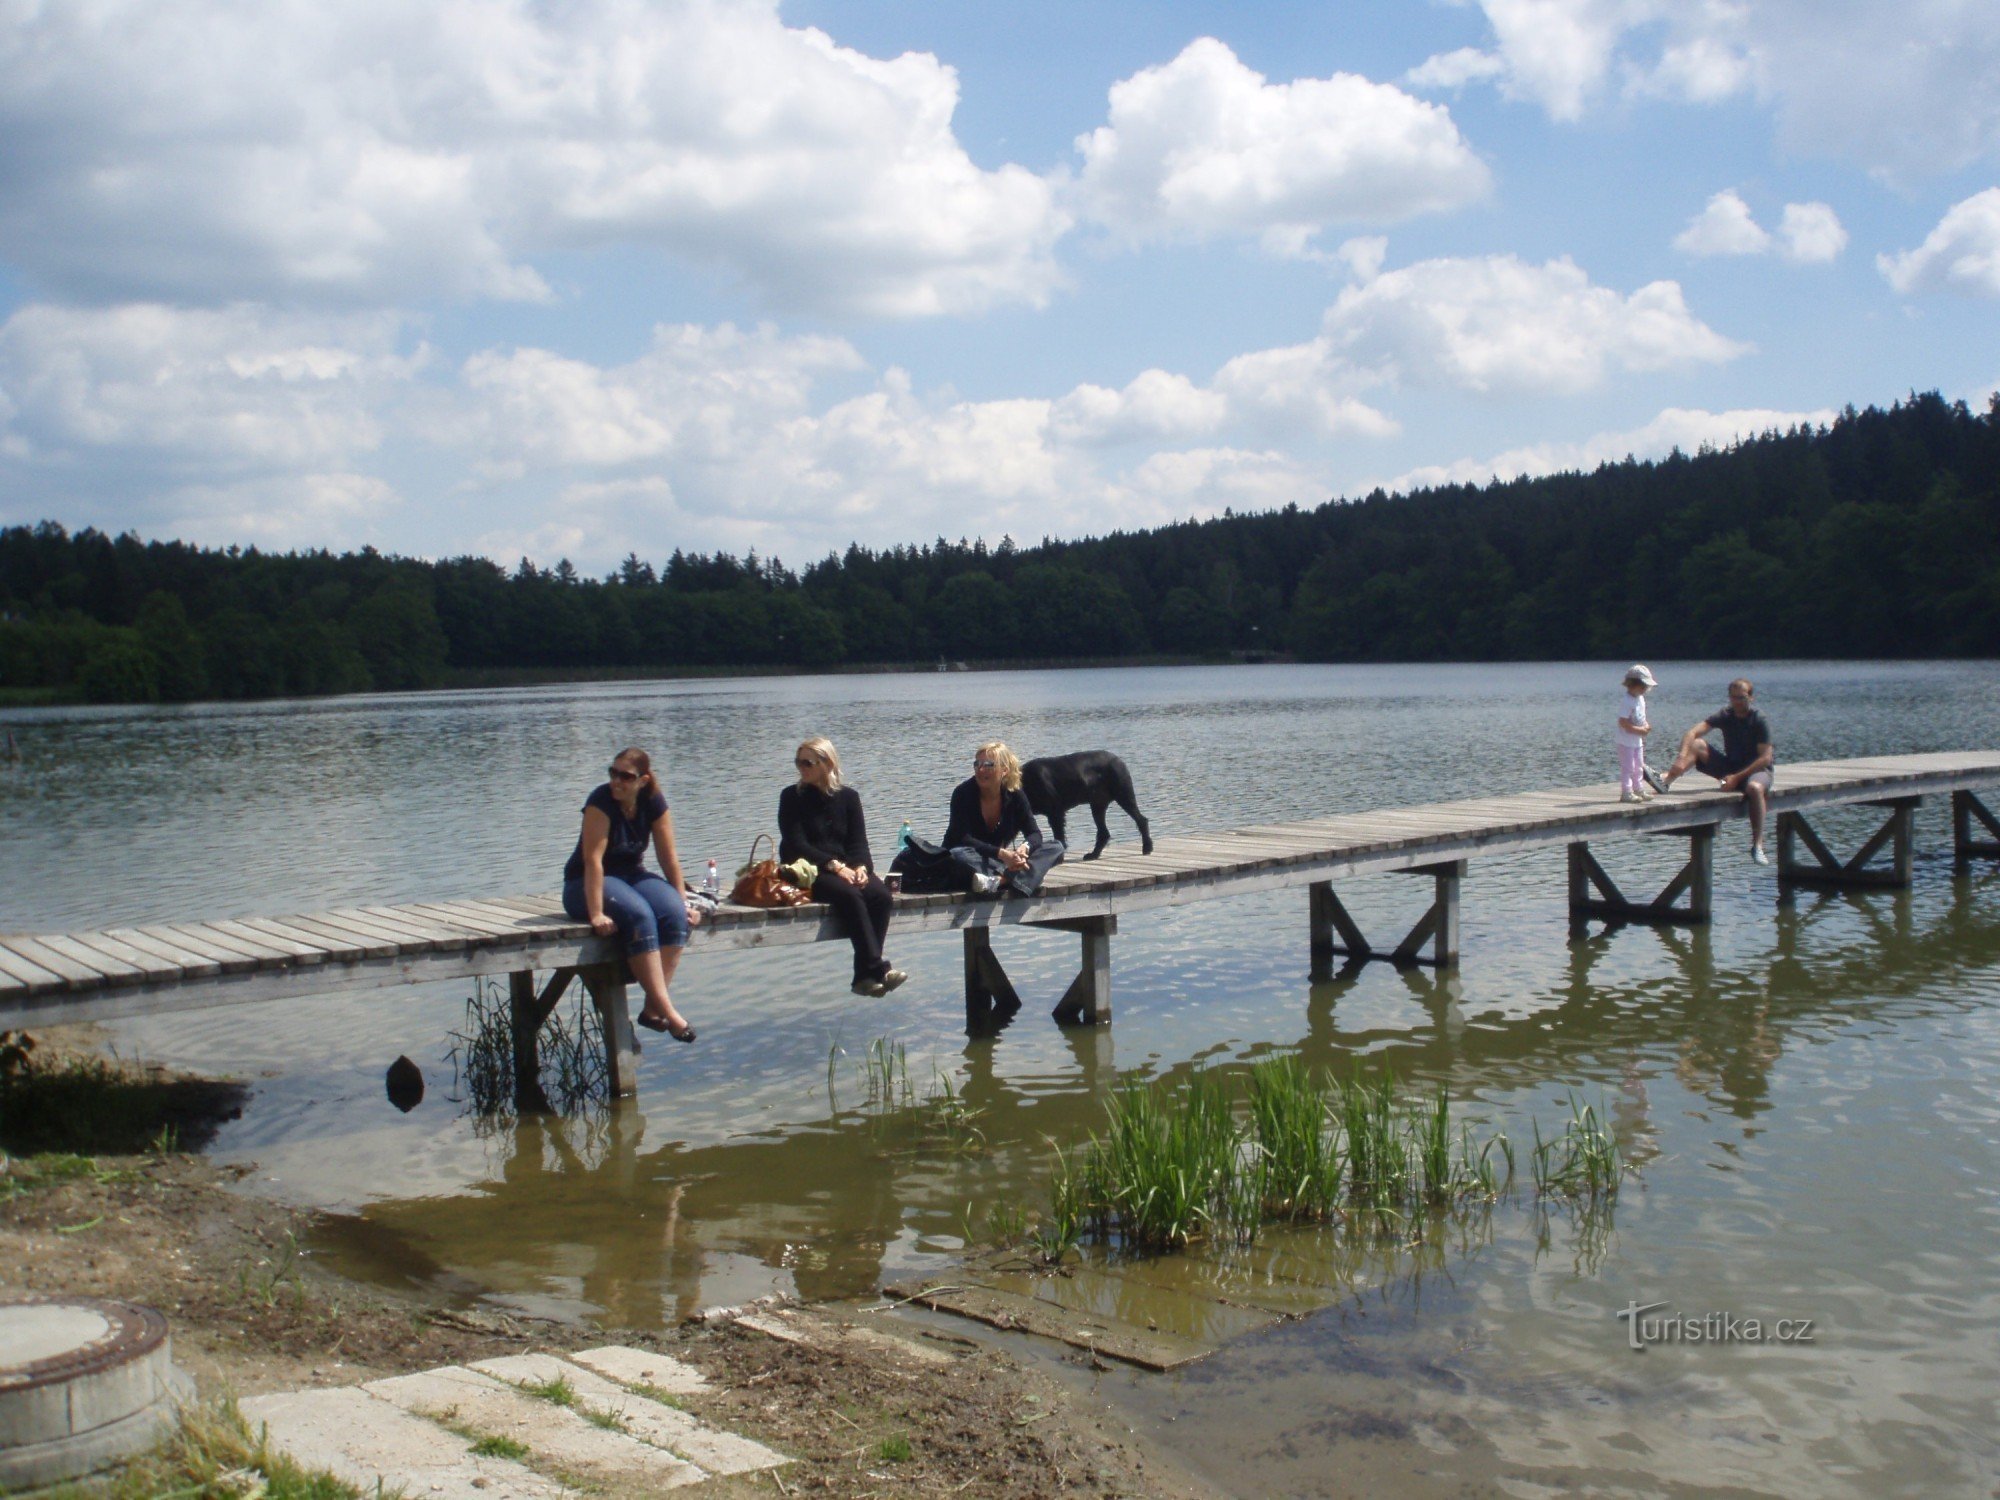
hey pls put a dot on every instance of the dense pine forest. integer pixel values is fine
(1876, 536)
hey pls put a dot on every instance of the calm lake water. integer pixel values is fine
(1807, 1087)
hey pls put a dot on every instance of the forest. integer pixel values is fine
(1877, 535)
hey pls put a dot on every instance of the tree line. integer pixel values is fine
(1875, 535)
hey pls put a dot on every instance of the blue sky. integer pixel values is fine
(585, 278)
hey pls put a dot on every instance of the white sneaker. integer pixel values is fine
(985, 885)
(1757, 853)
(1630, 797)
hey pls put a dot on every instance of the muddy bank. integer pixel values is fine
(868, 1405)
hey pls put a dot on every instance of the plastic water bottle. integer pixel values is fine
(714, 886)
(903, 836)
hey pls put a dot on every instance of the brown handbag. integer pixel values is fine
(762, 883)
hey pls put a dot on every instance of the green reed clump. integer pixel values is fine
(1300, 1153)
(1213, 1158)
(1583, 1162)
(571, 1052)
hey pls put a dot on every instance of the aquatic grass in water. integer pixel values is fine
(1582, 1163)
(571, 1054)
(1177, 1164)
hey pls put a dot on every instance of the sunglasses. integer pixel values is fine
(984, 765)
(619, 773)
(805, 762)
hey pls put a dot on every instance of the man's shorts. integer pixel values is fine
(1714, 765)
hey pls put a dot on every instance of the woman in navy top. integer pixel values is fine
(820, 820)
(607, 884)
(989, 812)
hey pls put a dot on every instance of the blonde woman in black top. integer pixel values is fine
(990, 816)
(820, 819)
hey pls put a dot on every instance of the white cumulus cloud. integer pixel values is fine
(1808, 233)
(1498, 325)
(1961, 255)
(1723, 227)
(224, 389)
(372, 151)
(1811, 233)
(1205, 146)
(1904, 89)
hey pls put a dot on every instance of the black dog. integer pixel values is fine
(1056, 783)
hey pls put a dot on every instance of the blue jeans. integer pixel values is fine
(1041, 859)
(650, 913)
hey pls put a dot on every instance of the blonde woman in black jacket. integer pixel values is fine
(820, 820)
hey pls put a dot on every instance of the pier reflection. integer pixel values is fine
(611, 1217)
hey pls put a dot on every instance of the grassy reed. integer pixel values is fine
(571, 1053)
(1209, 1158)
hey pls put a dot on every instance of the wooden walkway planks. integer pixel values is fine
(132, 970)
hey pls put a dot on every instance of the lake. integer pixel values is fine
(1805, 1088)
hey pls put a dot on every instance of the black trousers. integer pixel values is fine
(864, 911)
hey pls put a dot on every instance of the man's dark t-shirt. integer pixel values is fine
(1740, 738)
(625, 845)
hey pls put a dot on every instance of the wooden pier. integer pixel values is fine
(145, 970)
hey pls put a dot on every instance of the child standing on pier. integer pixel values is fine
(1632, 731)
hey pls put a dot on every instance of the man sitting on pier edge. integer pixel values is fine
(1743, 764)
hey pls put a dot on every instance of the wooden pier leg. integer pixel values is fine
(1966, 809)
(1319, 916)
(1087, 1001)
(1700, 871)
(529, 1012)
(1898, 835)
(1593, 893)
(1903, 860)
(987, 988)
(1328, 918)
(527, 1026)
(1439, 925)
(606, 983)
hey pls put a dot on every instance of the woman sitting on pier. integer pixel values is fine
(606, 883)
(820, 821)
(989, 814)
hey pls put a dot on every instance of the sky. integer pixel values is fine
(585, 278)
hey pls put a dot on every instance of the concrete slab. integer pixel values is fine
(558, 1439)
(643, 1367)
(365, 1440)
(680, 1433)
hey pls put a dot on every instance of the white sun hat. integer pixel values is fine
(1641, 674)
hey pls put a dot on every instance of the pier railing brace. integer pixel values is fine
(1966, 808)
(1696, 881)
(1899, 832)
(1087, 1001)
(1437, 927)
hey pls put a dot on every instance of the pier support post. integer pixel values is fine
(988, 991)
(1335, 934)
(1966, 809)
(527, 1012)
(1593, 893)
(1087, 1001)
(606, 984)
(1898, 834)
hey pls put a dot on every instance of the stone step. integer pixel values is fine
(362, 1439)
(663, 1426)
(409, 1432)
(556, 1437)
